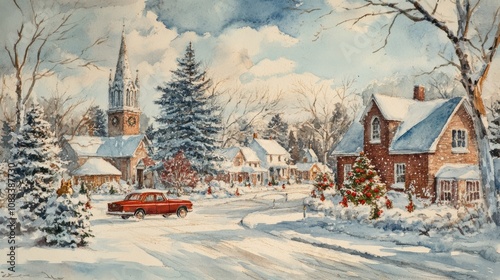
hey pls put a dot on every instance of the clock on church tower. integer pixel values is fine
(123, 95)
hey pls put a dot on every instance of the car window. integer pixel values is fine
(159, 197)
(150, 198)
(133, 196)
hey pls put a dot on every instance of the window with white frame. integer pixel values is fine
(399, 173)
(375, 135)
(347, 169)
(445, 194)
(472, 191)
(459, 139)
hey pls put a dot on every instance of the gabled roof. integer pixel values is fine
(96, 166)
(107, 147)
(419, 132)
(352, 142)
(310, 155)
(271, 147)
(421, 124)
(230, 153)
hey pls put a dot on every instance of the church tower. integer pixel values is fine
(123, 97)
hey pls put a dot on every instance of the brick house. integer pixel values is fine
(429, 145)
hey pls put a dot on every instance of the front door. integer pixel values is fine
(140, 177)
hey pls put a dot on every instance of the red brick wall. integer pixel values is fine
(445, 155)
(341, 161)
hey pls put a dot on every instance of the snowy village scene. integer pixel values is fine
(250, 139)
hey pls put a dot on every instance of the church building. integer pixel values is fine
(122, 154)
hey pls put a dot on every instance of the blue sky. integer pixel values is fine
(250, 44)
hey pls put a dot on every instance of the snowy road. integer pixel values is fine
(211, 243)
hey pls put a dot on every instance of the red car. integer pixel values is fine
(149, 202)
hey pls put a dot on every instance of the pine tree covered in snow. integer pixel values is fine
(188, 119)
(68, 219)
(177, 173)
(277, 129)
(36, 166)
(363, 186)
(323, 182)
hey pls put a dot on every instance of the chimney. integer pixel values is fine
(255, 135)
(419, 93)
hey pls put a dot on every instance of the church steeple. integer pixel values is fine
(123, 93)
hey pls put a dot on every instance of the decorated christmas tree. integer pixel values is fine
(68, 218)
(323, 182)
(363, 187)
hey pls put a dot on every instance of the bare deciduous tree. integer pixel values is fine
(62, 112)
(328, 109)
(32, 52)
(242, 110)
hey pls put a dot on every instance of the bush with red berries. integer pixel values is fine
(363, 187)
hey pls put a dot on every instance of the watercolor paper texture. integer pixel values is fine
(249, 139)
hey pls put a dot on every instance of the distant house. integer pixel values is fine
(243, 166)
(427, 145)
(273, 157)
(309, 167)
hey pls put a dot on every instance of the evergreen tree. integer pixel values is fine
(293, 147)
(277, 129)
(36, 166)
(188, 120)
(97, 122)
(6, 137)
(150, 132)
(363, 186)
(68, 219)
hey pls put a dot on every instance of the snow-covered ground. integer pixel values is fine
(257, 235)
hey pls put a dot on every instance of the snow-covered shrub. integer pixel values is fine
(113, 187)
(68, 220)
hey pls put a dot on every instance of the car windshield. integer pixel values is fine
(133, 196)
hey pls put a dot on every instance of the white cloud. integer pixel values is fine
(267, 67)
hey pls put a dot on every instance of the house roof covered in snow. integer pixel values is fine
(421, 124)
(108, 147)
(271, 147)
(459, 171)
(310, 155)
(230, 153)
(352, 141)
(96, 166)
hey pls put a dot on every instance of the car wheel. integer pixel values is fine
(139, 214)
(125, 217)
(182, 212)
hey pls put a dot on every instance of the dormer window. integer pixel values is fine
(375, 130)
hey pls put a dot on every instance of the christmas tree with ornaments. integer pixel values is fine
(323, 182)
(363, 187)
